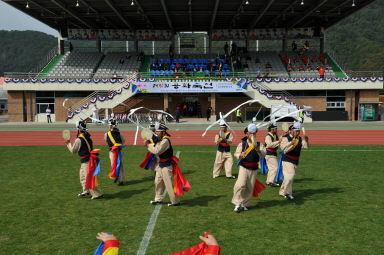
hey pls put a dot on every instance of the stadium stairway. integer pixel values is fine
(338, 72)
(124, 98)
(49, 66)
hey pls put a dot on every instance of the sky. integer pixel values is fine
(13, 19)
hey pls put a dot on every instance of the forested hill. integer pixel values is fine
(358, 41)
(20, 51)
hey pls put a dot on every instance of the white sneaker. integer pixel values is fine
(237, 208)
(245, 208)
(290, 197)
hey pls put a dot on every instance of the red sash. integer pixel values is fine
(180, 183)
(250, 164)
(91, 181)
(146, 159)
(296, 158)
(200, 249)
(165, 159)
(115, 151)
(272, 150)
(224, 144)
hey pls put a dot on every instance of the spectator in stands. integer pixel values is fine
(140, 57)
(290, 68)
(153, 66)
(268, 65)
(121, 61)
(178, 66)
(171, 54)
(294, 46)
(226, 48)
(114, 74)
(48, 113)
(321, 72)
(258, 72)
(70, 47)
(306, 45)
(309, 68)
(300, 52)
(301, 68)
(161, 67)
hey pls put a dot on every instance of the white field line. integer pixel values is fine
(151, 226)
(304, 150)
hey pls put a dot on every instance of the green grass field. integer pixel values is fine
(338, 206)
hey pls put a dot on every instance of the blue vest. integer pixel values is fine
(272, 151)
(252, 157)
(83, 152)
(224, 148)
(293, 155)
(116, 136)
(166, 156)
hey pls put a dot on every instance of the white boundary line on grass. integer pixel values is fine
(345, 150)
(151, 225)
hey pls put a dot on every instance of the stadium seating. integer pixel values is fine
(76, 65)
(258, 62)
(117, 65)
(194, 65)
(306, 65)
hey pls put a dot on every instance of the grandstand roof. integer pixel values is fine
(188, 15)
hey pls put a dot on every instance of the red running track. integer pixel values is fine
(192, 137)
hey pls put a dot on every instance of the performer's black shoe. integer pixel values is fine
(170, 204)
(99, 197)
(83, 194)
(272, 184)
(156, 202)
(120, 183)
(232, 177)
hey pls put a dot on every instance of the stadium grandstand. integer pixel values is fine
(162, 54)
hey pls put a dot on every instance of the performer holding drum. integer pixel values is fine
(90, 164)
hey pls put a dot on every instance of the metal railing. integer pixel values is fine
(365, 74)
(332, 54)
(94, 94)
(166, 75)
(45, 60)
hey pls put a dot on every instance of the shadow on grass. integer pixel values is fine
(150, 178)
(300, 197)
(125, 194)
(304, 180)
(200, 201)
